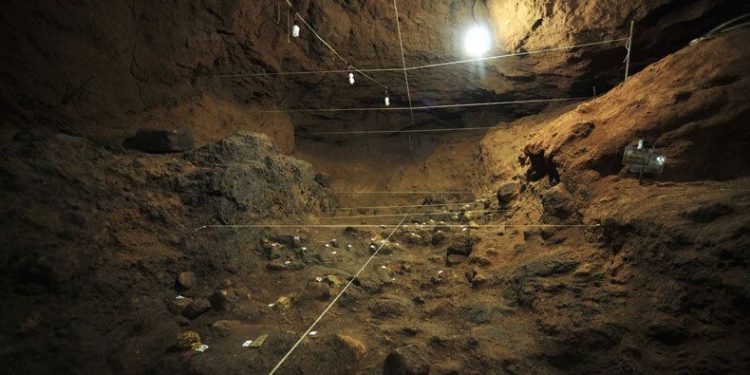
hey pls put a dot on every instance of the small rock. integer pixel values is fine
(177, 305)
(584, 270)
(259, 341)
(332, 280)
(406, 360)
(506, 193)
(335, 243)
(188, 340)
(196, 307)
(324, 179)
(283, 303)
(438, 237)
(389, 308)
(352, 344)
(482, 261)
(276, 265)
(317, 291)
(478, 280)
(227, 327)
(413, 238)
(221, 298)
(386, 247)
(435, 258)
(453, 259)
(186, 280)
(549, 267)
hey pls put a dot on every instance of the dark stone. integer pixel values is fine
(548, 267)
(197, 307)
(221, 298)
(388, 308)
(478, 314)
(506, 193)
(324, 179)
(161, 141)
(318, 291)
(462, 246)
(559, 206)
(438, 237)
(406, 360)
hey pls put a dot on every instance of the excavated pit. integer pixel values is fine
(155, 220)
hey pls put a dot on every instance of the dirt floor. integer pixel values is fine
(547, 256)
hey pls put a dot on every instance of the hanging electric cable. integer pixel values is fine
(427, 66)
(328, 45)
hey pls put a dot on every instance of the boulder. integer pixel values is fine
(406, 360)
(161, 141)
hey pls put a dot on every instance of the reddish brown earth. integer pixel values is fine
(553, 258)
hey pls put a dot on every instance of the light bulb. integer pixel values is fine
(295, 31)
(477, 41)
(351, 78)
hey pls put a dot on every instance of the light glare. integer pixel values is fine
(477, 41)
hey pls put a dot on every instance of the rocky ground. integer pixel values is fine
(550, 257)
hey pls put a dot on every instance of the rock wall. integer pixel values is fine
(97, 69)
(691, 111)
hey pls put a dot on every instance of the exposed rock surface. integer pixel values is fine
(682, 105)
(245, 175)
(585, 271)
(92, 69)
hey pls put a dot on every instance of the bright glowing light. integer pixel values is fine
(351, 78)
(477, 41)
(295, 31)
